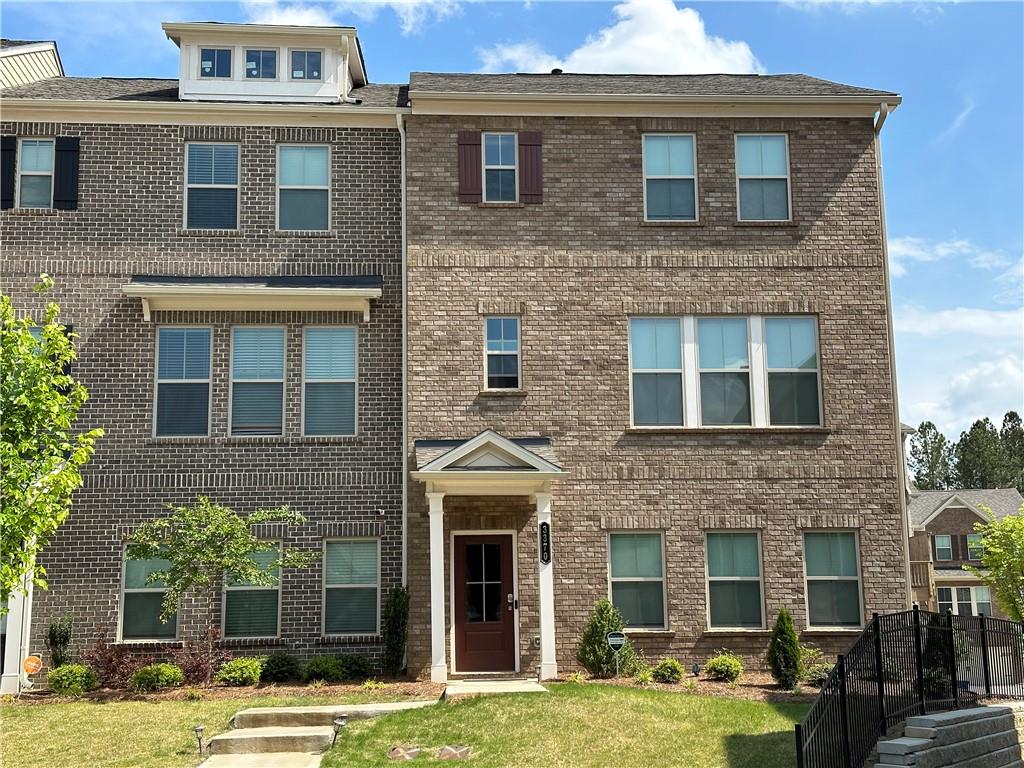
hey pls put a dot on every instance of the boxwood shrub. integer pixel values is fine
(245, 670)
(157, 677)
(72, 679)
(280, 667)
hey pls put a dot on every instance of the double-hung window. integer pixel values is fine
(975, 547)
(762, 177)
(943, 547)
(833, 579)
(35, 173)
(965, 601)
(670, 178)
(636, 571)
(724, 361)
(142, 602)
(257, 380)
(502, 352)
(351, 587)
(657, 371)
(212, 189)
(306, 65)
(303, 187)
(215, 62)
(183, 382)
(329, 381)
(251, 610)
(501, 183)
(260, 64)
(792, 364)
(734, 580)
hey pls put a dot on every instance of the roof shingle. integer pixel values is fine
(1002, 501)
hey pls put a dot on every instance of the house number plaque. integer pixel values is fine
(545, 543)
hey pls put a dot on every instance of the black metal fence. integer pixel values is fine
(905, 664)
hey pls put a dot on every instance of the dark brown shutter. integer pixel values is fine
(531, 170)
(65, 174)
(470, 168)
(8, 155)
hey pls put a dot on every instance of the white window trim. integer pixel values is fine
(686, 414)
(663, 579)
(949, 540)
(519, 353)
(157, 381)
(20, 172)
(139, 590)
(277, 60)
(858, 578)
(232, 380)
(323, 60)
(484, 167)
(955, 603)
(355, 381)
(199, 62)
(278, 187)
(646, 176)
(708, 578)
(980, 546)
(787, 177)
(325, 586)
(750, 320)
(251, 588)
(237, 186)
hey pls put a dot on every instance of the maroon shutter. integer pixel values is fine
(531, 171)
(470, 167)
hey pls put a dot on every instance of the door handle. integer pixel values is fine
(513, 604)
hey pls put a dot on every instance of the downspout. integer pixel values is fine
(883, 112)
(405, 362)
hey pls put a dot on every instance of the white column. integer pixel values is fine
(18, 626)
(438, 663)
(548, 665)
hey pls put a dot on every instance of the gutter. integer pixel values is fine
(405, 366)
(697, 98)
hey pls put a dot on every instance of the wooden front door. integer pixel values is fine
(484, 604)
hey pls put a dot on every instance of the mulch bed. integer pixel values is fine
(753, 686)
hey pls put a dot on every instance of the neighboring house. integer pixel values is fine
(944, 540)
(28, 61)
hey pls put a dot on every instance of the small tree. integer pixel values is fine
(1002, 561)
(207, 545)
(930, 457)
(395, 628)
(784, 652)
(593, 654)
(58, 640)
(40, 455)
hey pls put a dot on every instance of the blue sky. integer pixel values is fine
(954, 167)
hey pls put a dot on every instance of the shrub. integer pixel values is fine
(356, 667)
(668, 671)
(200, 659)
(194, 694)
(374, 685)
(58, 640)
(644, 677)
(817, 674)
(809, 657)
(72, 679)
(576, 677)
(395, 629)
(784, 652)
(724, 666)
(114, 664)
(280, 667)
(593, 653)
(325, 668)
(156, 677)
(245, 670)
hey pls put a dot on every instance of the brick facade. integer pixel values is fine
(575, 268)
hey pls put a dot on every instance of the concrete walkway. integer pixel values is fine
(460, 688)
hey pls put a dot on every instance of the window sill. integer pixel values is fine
(348, 639)
(154, 645)
(651, 632)
(36, 211)
(516, 204)
(832, 630)
(519, 392)
(210, 233)
(252, 440)
(646, 223)
(304, 233)
(728, 430)
(736, 631)
(766, 224)
(250, 642)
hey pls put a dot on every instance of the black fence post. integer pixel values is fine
(984, 656)
(799, 745)
(919, 662)
(952, 660)
(844, 714)
(880, 672)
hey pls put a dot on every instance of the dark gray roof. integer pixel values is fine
(166, 90)
(1002, 501)
(569, 84)
(429, 450)
(6, 42)
(272, 281)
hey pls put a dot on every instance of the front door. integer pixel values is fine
(484, 604)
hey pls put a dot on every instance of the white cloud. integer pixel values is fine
(855, 6)
(956, 123)
(412, 14)
(988, 323)
(298, 14)
(904, 250)
(650, 36)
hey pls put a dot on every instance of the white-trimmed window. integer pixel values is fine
(142, 602)
(501, 164)
(352, 587)
(329, 380)
(636, 575)
(791, 348)
(306, 65)
(303, 187)
(670, 177)
(943, 547)
(762, 177)
(656, 359)
(261, 63)
(252, 610)
(969, 601)
(501, 352)
(215, 63)
(257, 380)
(35, 173)
(832, 569)
(975, 546)
(724, 367)
(211, 187)
(182, 382)
(735, 596)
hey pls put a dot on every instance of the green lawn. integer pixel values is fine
(585, 725)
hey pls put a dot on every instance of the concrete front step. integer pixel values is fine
(266, 717)
(982, 737)
(308, 738)
(463, 688)
(264, 760)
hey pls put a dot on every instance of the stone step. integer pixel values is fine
(265, 760)
(266, 717)
(971, 753)
(307, 738)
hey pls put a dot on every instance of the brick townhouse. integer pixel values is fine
(646, 343)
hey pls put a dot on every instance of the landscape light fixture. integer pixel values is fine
(696, 670)
(339, 723)
(199, 737)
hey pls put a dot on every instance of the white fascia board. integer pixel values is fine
(498, 483)
(18, 50)
(954, 501)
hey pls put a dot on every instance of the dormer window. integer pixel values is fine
(306, 65)
(215, 62)
(260, 64)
